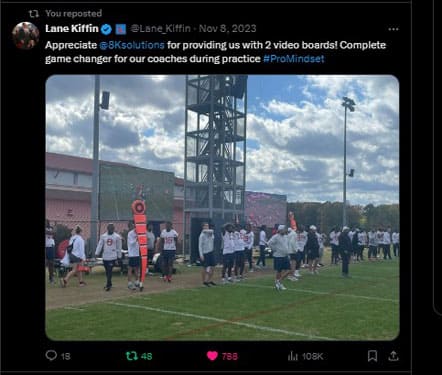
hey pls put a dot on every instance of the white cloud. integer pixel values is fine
(298, 145)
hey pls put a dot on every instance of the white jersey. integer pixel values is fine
(78, 248)
(228, 243)
(380, 237)
(262, 238)
(372, 239)
(248, 238)
(362, 238)
(320, 240)
(301, 240)
(395, 237)
(50, 241)
(292, 242)
(132, 244)
(334, 238)
(239, 243)
(205, 242)
(387, 238)
(169, 239)
(49, 238)
(111, 245)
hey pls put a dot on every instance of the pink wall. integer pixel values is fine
(57, 211)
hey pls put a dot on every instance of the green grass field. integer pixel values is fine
(318, 307)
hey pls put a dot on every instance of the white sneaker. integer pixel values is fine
(292, 278)
(297, 274)
(251, 270)
(282, 287)
(229, 279)
(277, 285)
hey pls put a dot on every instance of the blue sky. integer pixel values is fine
(294, 126)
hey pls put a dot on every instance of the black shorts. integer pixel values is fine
(74, 259)
(134, 262)
(281, 263)
(168, 255)
(228, 259)
(313, 254)
(239, 256)
(209, 260)
(50, 253)
(299, 256)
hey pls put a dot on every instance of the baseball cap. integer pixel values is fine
(281, 227)
(312, 227)
(345, 228)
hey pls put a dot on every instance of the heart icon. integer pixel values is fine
(212, 355)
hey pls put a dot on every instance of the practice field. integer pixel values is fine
(318, 307)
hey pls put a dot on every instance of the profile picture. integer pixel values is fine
(25, 35)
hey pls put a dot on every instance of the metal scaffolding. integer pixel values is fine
(215, 149)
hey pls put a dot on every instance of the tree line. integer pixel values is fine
(329, 214)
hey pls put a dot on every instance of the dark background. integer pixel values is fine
(23, 138)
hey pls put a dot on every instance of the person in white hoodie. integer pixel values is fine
(169, 240)
(207, 256)
(76, 257)
(292, 252)
(249, 239)
(281, 263)
(50, 250)
(110, 243)
(239, 252)
(133, 258)
(228, 252)
(395, 241)
(387, 244)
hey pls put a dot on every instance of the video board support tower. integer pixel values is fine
(215, 150)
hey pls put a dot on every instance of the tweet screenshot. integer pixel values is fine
(218, 187)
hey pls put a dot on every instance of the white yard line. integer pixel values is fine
(334, 276)
(73, 308)
(245, 284)
(210, 318)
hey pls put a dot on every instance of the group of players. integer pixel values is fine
(109, 248)
(291, 250)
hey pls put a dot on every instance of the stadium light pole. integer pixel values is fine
(96, 161)
(347, 104)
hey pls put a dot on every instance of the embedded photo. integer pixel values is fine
(222, 208)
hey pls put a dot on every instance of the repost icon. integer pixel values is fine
(33, 13)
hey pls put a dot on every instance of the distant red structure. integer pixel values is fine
(140, 220)
(292, 220)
